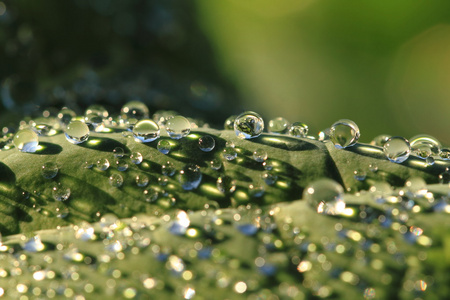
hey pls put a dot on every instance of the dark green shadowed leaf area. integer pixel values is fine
(250, 237)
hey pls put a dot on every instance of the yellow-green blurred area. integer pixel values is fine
(383, 64)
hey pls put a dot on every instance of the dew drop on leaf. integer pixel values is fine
(215, 164)
(344, 133)
(142, 180)
(164, 146)
(226, 184)
(248, 125)
(168, 169)
(49, 170)
(326, 196)
(146, 131)
(278, 125)
(116, 180)
(229, 153)
(229, 123)
(190, 177)
(102, 164)
(77, 132)
(298, 129)
(206, 143)
(118, 152)
(60, 192)
(397, 149)
(136, 158)
(135, 110)
(260, 155)
(178, 127)
(26, 140)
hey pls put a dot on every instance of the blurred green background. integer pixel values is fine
(385, 65)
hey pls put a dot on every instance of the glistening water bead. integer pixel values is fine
(344, 133)
(278, 125)
(77, 132)
(325, 196)
(135, 110)
(49, 170)
(178, 127)
(146, 131)
(206, 143)
(248, 125)
(164, 146)
(397, 149)
(298, 129)
(26, 140)
(190, 177)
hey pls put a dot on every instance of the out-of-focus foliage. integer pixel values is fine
(78, 52)
(384, 65)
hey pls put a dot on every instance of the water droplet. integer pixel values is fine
(60, 192)
(49, 170)
(77, 132)
(373, 167)
(226, 184)
(360, 174)
(136, 158)
(94, 122)
(116, 180)
(248, 125)
(256, 190)
(325, 196)
(268, 165)
(344, 133)
(34, 244)
(278, 125)
(298, 129)
(102, 164)
(260, 155)
(229, 153)
(229, 123)
(380, 140)
(98, 110)
(85, 232)
(421, 140)
(61, 210)
(397, 149)
(151, 195)
(88, 164)
(206, 143)
(416, 186)
(168, 169)
(178, 127)
(146, 131)
(444, 154)
(422, 150)
(44, 130)
(430, 161)
(135, 110)
(66, 115)
(215, 164)
(118, 152)
(121, 165)
(269, 177)
(164, 146)
(26, 140)
(444, 177)
(142, 180)
(163, 180)
(229, 144)
(324, 135)
(181, 224)
(190, 177)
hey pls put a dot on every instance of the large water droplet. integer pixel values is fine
(248, 125)
(298, 129)
(344, 133)
(94, 122)
(178, 127)
(136, 158)
(66, 115)
(135, 110)
(444, 154)
(26, 140)
(164, 146)
(325, 196)
(380, 140)
(229, 123)
(278, 125)
(206, 143)
(98, 110)
(397, 149)
(146, 131)
(49, 170)
(60, 192)
(226, 184)
(116, 180)
(168, 169)
(77, 132)
(427, 142)
(190, 177)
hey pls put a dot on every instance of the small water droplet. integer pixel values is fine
(164, 146)
(206, 143)
(430, 161)
(229, 153)
(121, 165)
(422, 150)
(102, 164)
(98, 110)
(325, 196)
(226, 184)
(215, 164)
(373, 167)
(248, 125)
(380, 140)
(444, 154)
(151, 195)
(324, 135)
(116, 180)
(178, 127)
(136, 158)
(344, 133)
(94, 122)
(142, 180)
(163, 180)
(278, 125)
(298, 129)
(397, 149)
(77, 132)
(256, 190)
(444, 177)
(61, 210)
(168, 169)
(269, 177)
(360, 174)
(26, 140)
(135, 110)
(118, 152)
(260, 155)
(88, 164)
(49, 170)
(60, 192)
(146, 131)
(229, 123)
(190, 177)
